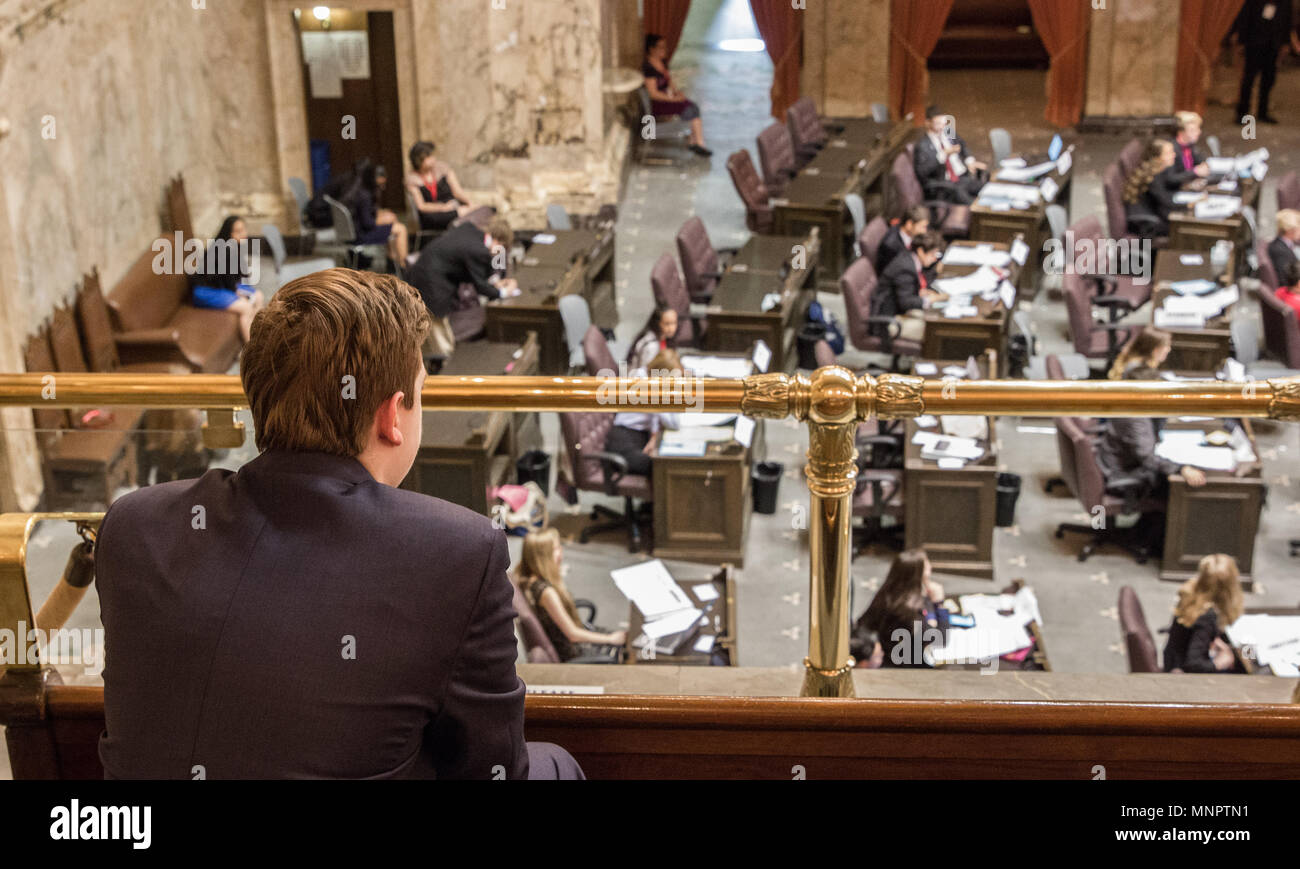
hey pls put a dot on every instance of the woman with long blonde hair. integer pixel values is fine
(1149, 191)
(1207, 604)
(542, 582)
(1148, 349)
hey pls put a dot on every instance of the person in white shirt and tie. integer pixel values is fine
(944, 166)
(635, 434)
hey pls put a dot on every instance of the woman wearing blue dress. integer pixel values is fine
(219, 282)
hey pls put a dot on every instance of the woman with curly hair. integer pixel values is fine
(1149, 191)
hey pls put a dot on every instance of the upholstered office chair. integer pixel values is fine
(857, 286)
(557, 217)
(806, 131)
(597, 355)
(1281, 330)
(1264, 270)
(346, 233)
(537, 645)
(858, 211)
(880, 113)
(950, 219)
(666, 282)
(594, 469)
(824, 355)
(776, 157)
(877, 496)
(1083, 476)
(576, 315)
(666, 128)
(1093, 339)
(289, 269)
(1288, 191)
(1212, 142)
(701, 262)
(1092, 427)
(753, 193)
(871, 237)
(419, 235)
(1119, 223)
(469, 319)
(1135, 633)
(1000, 139)
(1130, 156)
(1134, 294)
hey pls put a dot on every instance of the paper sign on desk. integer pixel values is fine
(544, 238)
(1049, 189)
(1191, 259)
(1063, 163)
(651, 588)
(762, 356)
(1013, 163)
(1192, 287)
(1163, 319)
(1259, 170)
(951, 464)
(1019, 251)
(925, 420)
(925, 369)
(744, 433)
(1220, 165)
(1008, 295)
(705, 592)
(704, 644)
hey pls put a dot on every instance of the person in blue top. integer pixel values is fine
(220, 282)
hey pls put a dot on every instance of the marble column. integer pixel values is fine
(846, 55)
(1132, 54)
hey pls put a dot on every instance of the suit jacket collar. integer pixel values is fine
(317, 464)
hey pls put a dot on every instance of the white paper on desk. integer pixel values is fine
(1195, 286)
(1186, 197)
(975, 255)
(651, 588)
(954, 311)
(1019, 251)
(1008, 295)
(1233, 371)
(925, 369)
(1276, 640)
(1181, 451)
(770, 301)
(944, 447)
(992, 637)
(951, 464)
(1259, 170)
(1191, 259)
(762, 356)
(1064, 162)
(705, 592)
(1220, 165)
(1013, 163)
(1216, 207)
(744, 432)
(1163, 319)
(973, 427)
(1227, 185)
(1242, 451)
(1049, 188)
(704, 644)
(679, 447)
(718, 366)
(1023, 605)
(544, 238)
(955, 371)
(673, 623)
(925, 420)
(981, 280)
(1016, 174)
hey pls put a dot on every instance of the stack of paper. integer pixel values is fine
(1187, 447)
(983, 280)
(936, 446)
(1276, 640)
(976, 255)
(1017, 195)
(651, 588)
(1024, 173)
(992, 637)
(717, 366)
(969, 427)
(1192, 287)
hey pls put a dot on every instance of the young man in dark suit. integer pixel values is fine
(899, 237)
(463, 254)
(1262, 28)
(303, 617)
(944, 165)
(1189, 163)
(904, 287)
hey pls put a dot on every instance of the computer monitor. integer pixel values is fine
(1054, 150)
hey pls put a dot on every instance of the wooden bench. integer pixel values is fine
(53, 732)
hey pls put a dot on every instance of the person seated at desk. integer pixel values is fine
(654, 338)
(1207, 604)
(463, 254)
(898, 239)
(378, 225)
(1189, 163)
(1289, 292)
(1149, 191)
(865, 647)
(635, 435)
(908, 602)
(945, 167)
(437, 193)
(219, 281)
(1282, 250)
(541, 579)
(904, 288)
(665, 99)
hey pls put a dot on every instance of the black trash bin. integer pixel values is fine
(809, 335)
(535, 465)
(766, 479)
(1008, 493)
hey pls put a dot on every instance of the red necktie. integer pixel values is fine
(921, 275)
(1187, 158)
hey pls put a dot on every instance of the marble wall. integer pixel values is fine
(846, 55)
(1132, 54)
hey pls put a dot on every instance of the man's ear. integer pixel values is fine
(386, 419)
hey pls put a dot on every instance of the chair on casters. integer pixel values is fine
(597, 357)
(664, 127)
(1093, 339)
(539, 647)
(1136, 634)
(871, 237)
(776, 157)
(753, 193)
(595, 469)
(952, 220)
(666, 283)
(701, 262)
(1288, 191)
(1000, 139)
(806, 131)
(857, 286)
(346, 232)
(576, 316)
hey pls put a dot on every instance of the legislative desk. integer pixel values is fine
(986, 330)
(1189, 232)
(1249, 657)
(760, 269)
(1221, 516)
(1017, 606)
(1200, 350)
(465, 453)
(578, 261)
(702, 504)
(718, 621)
(995, 221)
(950, 512)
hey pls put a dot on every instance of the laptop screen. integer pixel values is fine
(1054, 150)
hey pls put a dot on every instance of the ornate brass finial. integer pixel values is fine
(775, 396)
(898, 396)
(1285, 403)
(832, 396)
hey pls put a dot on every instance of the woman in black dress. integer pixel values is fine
(1207, 604)
(1149, 191)
(665, 99)
(542, 582)
(376, 225)
(435, 189)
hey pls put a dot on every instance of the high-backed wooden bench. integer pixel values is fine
(54, 732)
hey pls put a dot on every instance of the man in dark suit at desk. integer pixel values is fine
(944, 165)
(304, 617)
(463, 254)
(1263, 28)
(1189, 163)
(899, 237)
(1282, 250)
(904, 288)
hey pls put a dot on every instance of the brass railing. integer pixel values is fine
(832, 400)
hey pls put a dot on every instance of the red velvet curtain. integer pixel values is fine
(1063, 27)
(781, 26)
(914, 28)
(1201, 28)
(665, 17)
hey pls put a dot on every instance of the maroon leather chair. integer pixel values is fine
(1268, 275)
(806, 131)
(538, 646)
(776, 156)
(950, 219)
(666, 282)
(1117, 220)
(1083, 475)
(858, 285)
(824, 354)
(1101, 283)
(1133, 629)
(1095, 340)
(596, 350)
(1281, 329)
(1288, 191)
(872, 235)
(701, 263)
(753, 193)
(1130, 157)
(594, 469)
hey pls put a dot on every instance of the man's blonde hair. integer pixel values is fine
(1185, 118)
(325, 353)
(1288, 220)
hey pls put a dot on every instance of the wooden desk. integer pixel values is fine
(771, 254)
(975, 335)
(990, 224)
(1221, 516)
(463, 454)
(720, 615)
(817, 201)
(1196, 351)
(702, 504)
(1036, 659)
(736, 315)
(950, 513)
(593, 250)
(1188, 232)
(1245, 654)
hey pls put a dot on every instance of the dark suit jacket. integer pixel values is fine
(890, 247)
(930, 168)
(319, 624)
(1158, 200)
(1177, 174)
(456, 257)
(1253, 31)
(1281, 255)
(898, 290)
(1188, 649)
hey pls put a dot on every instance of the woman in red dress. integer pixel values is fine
(666, 99)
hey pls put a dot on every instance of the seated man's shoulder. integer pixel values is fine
(149, 501)
(445, 516)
